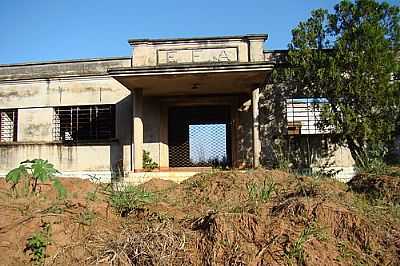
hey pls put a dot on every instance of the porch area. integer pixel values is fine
(191, 121)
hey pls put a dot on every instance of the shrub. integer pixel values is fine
(37, 244)
(148, 163)
(128, 199)
(34, 171)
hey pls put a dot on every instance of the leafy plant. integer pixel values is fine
(148, 163)
(129, 198)
(35, 171)
(37, 244)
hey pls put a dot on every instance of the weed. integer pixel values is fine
(148, 163)
(197, 183)
(128, 199)
(348, 254)
(307, 189)
(86, 217)
(35, 171)
(91, 195)
(56, 209)
(261, 192)
(37, 244)
(296, 249)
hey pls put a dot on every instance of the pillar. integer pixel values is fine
(256, 130)
(137, 141)
(164, 156)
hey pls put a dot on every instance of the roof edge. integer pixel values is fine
(197, 39)
(63, 61)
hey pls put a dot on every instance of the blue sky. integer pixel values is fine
(40, 30)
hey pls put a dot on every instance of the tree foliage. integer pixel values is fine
(350, 57)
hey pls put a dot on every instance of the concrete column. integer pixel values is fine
(137, 135)
(256, 130)
(164, 156)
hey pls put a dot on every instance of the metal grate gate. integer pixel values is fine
(199, 136)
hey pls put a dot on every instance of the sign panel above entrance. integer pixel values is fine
(198, 51)
(197, 55)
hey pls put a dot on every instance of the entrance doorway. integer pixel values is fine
(199, 136)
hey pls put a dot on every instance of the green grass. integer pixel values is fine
(127, 199)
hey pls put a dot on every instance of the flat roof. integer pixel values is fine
(196, 39)
(62, 61)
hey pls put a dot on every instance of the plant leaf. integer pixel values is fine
(15, 175)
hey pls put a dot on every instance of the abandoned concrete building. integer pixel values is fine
(191, 104)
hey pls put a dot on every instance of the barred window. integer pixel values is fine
(84, 123)
(303, 115)
(8, 125)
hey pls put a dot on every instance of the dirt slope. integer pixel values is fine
(222, 218)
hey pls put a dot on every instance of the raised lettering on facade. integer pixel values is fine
(199, 55)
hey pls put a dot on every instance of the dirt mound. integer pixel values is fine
(377, 187)
(70, 221)
(261, 218)
(222, 218)
(156, 185)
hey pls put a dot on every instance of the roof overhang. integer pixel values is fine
(228, 78)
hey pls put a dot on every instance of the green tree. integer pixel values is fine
(350, 57)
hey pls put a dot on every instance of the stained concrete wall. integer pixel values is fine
(64, 68)
(71, 158)
(244, 133)
(35, 125)
(61, 92)
(303, 151)
(151, 127)
(153, 52)
(35, 100)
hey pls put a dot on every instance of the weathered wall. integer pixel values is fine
(247, 48)
(58, 69)
(61, 92)
(244, 133)
(71, 158)
(151, 127)
(64, 84)
(301, 151)
(35, 124)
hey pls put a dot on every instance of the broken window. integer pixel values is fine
(84, 123)
(304, 114)
(8, 125)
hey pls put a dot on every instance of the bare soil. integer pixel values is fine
(255, 217)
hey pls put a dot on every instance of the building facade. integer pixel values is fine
(190, 104)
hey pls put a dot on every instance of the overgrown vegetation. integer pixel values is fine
(261, 192)
(127, 198)
(349, 57)
(148, 163)
(36, 244)
(33, 171)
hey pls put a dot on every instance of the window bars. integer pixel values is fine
(84, 123)
(8, 125)
(303, 116)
